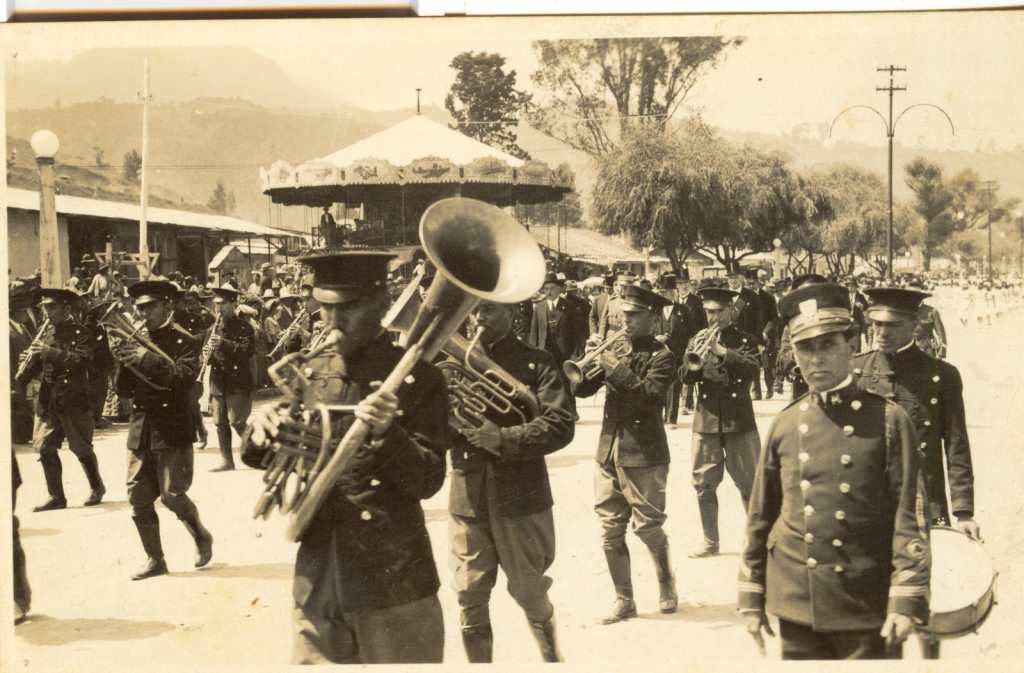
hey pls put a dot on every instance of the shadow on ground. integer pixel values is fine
(39, 532)
(699, 612)
(567, 460)
(44, 630)
(258, 571)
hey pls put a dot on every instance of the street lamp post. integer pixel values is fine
(45, 145)
(890, 132)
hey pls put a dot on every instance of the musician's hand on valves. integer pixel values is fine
(896, 628)
(661, 338)
(969, 527)
(756, 621)
(608, 360)
(718, 349)
(128, 353)
(266, 421)
(592, 343)
(486, 437)
(378, 410)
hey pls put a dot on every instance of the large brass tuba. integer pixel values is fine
(481, 253)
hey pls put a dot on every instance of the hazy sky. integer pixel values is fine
(792, 69)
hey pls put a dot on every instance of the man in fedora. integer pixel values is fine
(160, 433)
(63, 407)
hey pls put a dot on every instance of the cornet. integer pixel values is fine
(120, 331)
(588, 367)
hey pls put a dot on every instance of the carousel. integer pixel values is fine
(392, 177)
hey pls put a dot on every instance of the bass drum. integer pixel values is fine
(962, 584)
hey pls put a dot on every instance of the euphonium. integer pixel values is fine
(477, 384)
(289, 333)
(28, 356)
(588, 367)
(481, 253)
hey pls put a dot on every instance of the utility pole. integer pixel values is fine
(143, 188)
(989, 188)
(418, 89)
(890, 132)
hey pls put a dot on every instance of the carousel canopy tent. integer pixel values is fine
(410, 165)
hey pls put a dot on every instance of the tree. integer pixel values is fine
(485, 102)
(933, 201)
(658, 187)
(639, 81)
(222, 201)
(98, 153)
(131, 166)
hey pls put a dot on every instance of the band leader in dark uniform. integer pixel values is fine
(61, 359)
(837, 547)
(721, 361)
(632, 451)
(500, 498)
(160, 436)
(366, 584)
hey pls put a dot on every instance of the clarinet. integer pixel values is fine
(207, 352)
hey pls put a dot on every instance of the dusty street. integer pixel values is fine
(237, 611)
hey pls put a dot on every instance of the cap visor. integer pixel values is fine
(819, 329)
(887, 314)
(325, 296)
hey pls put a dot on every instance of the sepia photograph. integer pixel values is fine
(661, 342)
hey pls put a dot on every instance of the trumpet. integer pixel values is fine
(700, 347)
(121, 331)
(481, 253)
(28, 357)
(289, 333)
(588, 367)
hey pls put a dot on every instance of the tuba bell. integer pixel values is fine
(480, 253)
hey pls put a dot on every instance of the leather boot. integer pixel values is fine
(668, 601)
(202, 537)
(149, 532)
(53, 473)
(478, 642)
(228, 462)
(617, 557)
(92, 473)
(707, 503)
(544, 632)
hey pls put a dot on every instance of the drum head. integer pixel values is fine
(962, 571)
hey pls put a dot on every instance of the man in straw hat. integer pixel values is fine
(365, 579)
(160, 433)
(632, 452)
(836, 547)
(61, 360)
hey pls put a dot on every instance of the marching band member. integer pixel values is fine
(366, 584)
(233, 344)
(724, 434)
(500, 499)
(159, 443)
(63, 404)
(835, 547)
(673, 327)
(632, 452)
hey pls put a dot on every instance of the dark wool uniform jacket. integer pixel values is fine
(64, 373)
(521, 475)
(678, 328)
(834, 540)
(367, 547)
(230, 370)
(162, 415)
(633, 405)
(723, 385)
(931, 392)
